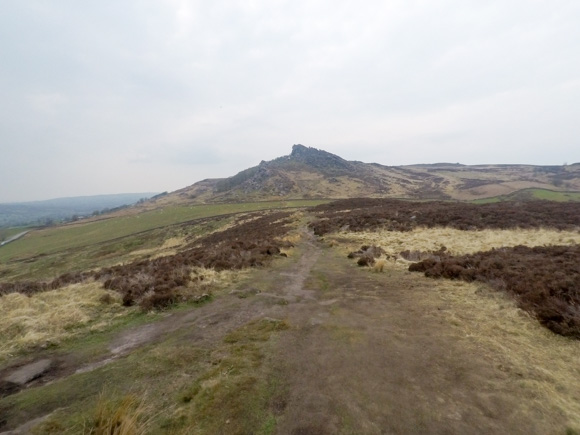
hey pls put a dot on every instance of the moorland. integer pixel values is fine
(295, 312)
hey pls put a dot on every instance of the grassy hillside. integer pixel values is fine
(45, 241)
(46, 253)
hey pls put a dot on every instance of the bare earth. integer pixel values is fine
(366, 353)
(367, 356)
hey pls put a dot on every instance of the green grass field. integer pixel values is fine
(51, 240)
(530, 194)
(555, 196)
(46, 253)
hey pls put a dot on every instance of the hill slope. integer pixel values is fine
(312, 173)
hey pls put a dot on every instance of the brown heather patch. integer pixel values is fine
(543, 276)
(158, 282)
(367, 214)
(545, 281)
(163, 281)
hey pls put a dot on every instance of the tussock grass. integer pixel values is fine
(146, 380)
(125, 417)
(379, 265)
(545, 365)
(206, 280)
(49, 317)
(202, 284)
(458, 242)
(295, 235)
(293, 238)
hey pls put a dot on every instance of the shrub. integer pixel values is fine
(396, 215)
(367, 254)
(124, 417)
(544, 280)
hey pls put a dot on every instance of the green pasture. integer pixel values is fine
(104, 254)
(51, 240)
(532, 194)
(551, 195)
(492, 199)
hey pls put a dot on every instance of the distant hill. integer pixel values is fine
(312, 173)
(53, 210)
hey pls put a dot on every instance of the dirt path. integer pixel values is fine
(206, 325)
(366, 353)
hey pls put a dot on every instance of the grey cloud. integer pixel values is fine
(172, 91)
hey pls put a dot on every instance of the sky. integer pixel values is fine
(154, 95)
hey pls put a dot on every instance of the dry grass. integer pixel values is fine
(127, 417)
(203, 283)
(207, 280)
(293, 239)
(379, 265)
(544, 368)
(49, 317)
(169, 247)
(457, 242)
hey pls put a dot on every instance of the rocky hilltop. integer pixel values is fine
(309, 172)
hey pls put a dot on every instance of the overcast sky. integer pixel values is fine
(152, 95)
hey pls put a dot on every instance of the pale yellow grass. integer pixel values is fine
(49, 317)
(543, 368)
(169, 247)
(457, 242)
(296, 233)
(379, 265)
(294, 238)
(209, 277)
(208, 280)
